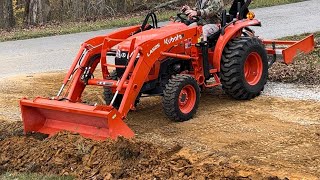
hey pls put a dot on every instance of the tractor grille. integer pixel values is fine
(121, 59)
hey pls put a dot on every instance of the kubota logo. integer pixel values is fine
(173, 39)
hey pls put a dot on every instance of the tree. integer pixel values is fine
(7, 19)
(36, 12)
(2, 20)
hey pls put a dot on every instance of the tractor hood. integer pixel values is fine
(152, 34)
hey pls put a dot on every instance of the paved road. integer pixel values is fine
(57, 52)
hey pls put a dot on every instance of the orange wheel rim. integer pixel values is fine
(253, 68)
(187, 99)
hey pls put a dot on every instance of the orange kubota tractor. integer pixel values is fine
(168, 61)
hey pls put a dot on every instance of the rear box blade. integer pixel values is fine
(52, 116)
(306, 45)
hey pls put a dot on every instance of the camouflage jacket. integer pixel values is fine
(210, 10)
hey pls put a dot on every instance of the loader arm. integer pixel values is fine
(97, 43)
(93, 47)
(149, 55)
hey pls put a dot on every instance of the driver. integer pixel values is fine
(210, 11)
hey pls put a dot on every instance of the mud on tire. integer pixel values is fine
(108, 94)
(244, 68)
(181, 98)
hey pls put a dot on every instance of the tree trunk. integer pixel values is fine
(121, 6)
(2, 20)
(7, 20)
(11, 19)
(37, 12)
(26, 12)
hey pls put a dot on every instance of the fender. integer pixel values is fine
(231, 31)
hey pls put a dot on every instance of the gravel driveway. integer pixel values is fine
(292, 91)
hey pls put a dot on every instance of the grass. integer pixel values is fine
(300, 36)
(29, 176)
(267, 3)
(75, 27)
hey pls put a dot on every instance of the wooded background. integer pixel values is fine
(39, 12)
(27, 13)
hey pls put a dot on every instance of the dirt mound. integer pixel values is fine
(70, 154)
(10, 129)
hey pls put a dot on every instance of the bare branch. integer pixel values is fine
(165, 4)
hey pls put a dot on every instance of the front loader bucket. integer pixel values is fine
(52, 116)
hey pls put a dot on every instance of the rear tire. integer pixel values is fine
(181, 98)
(244, 68)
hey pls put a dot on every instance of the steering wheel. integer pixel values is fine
(180, 16)
(184, 18)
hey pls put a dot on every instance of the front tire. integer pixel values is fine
(108, 94)
(244, 68)
(181, 98)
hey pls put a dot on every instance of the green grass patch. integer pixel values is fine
(301, 36)
(267, 3)
(32, 176)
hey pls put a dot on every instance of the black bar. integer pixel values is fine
(239, 11)
(224, 18)
(205, 57)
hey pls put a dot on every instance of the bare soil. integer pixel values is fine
(266, 138)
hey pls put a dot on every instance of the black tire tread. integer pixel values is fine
(231, 68)
(171, 95)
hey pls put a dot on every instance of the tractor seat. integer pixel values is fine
(227, 18)
(212, 39)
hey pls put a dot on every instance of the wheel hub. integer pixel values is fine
(183, 97)
(187, 99)
(253, 68)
